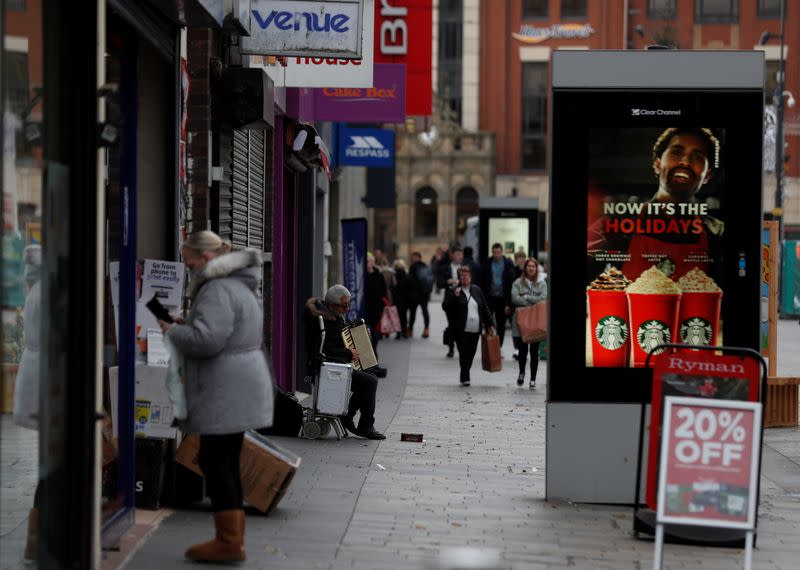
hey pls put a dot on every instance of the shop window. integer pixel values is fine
(16, 80)
(769, 8)
(534, 9)
(574, 8)
(663, 9)
(719, 11)
(467, 205)
(15, 5)
(425, 213)
(534, 116)
(450, 37)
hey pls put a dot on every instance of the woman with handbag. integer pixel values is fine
(468, 314)
(529, 289)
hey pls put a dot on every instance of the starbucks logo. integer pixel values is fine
(696, 331)
(667, 266)
(651, 334)
(611, 332)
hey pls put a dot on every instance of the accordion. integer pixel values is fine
(356, 336)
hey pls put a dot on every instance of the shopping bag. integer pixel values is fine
(176, 389)
(490, 353)
(390, 320)
(532, 322)
(447, 337)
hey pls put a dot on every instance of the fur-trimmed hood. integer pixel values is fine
(244, 264)
(318, 307)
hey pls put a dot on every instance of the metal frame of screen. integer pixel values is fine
(575, 113)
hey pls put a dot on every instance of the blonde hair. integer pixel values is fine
(207, 240)
(400, 264)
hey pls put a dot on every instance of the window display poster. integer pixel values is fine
(163, 279)
(654, 241)
(511, 233)
(709, 463)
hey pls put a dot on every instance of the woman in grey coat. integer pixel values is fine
(228, 385)
(527, 290)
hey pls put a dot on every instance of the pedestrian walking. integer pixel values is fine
(402, 294)
(26, 384)
(473, 265)
(228, 384)
(530, 288)
(468, 314)
(363, 383)
(375, 298)
(439, 260)
(498, 275)
(450, 278)
(423, 281)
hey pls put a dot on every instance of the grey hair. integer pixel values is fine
(335, 294)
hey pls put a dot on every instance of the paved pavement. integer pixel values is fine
(476, 481)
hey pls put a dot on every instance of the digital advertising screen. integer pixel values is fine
(655, 226)
(655, 233)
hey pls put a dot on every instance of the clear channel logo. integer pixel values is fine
(366, 147)
(640, 112)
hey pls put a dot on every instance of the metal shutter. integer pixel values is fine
(241, 197)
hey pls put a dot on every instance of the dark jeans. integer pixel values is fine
(450, 337)
(497, 305)
(523, 356)
(219, 460)
(364, 386)
(467, 346)
(402, 312)
(413, 312)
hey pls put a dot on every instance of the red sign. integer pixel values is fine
(699, 374)
(404, 34)
(709, 463)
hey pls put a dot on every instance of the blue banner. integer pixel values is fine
(365, 147)
(354, 264)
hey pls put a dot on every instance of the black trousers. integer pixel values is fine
(219, 460)
(402, 312)
(364, 386)
(523, 349)
(497, 305)
(467, 346)
(413, 312)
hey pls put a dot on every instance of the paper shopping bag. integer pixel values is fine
(490, 353)
(532, 322)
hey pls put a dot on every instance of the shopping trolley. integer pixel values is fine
(330, 395)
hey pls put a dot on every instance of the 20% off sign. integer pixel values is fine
(709, 462)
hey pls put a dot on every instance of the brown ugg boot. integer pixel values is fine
(228, 545)
(32, 542)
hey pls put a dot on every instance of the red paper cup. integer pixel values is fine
(698, 318)
(654, 321)
(611, 333)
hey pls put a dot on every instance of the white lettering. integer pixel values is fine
(394, 46)
(731, 451)
(687, 451)
(387, 10)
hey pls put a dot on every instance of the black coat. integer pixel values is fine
(334, 348)
(419, 291)
(401, 293)
(475, 268)
(455, 306)
(375, 292)
(509, 276)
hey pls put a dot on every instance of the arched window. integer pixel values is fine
(425, 216)
(467, 205)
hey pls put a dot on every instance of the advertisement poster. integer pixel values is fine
(654, 241)
(354, 264)
(511, 233)
(695, 374)
(709, 463)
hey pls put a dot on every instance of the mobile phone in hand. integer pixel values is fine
(159, 311)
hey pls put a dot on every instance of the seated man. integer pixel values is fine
(363, 384)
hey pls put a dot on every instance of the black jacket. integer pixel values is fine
(375, 292)
(420, 291)
(475, 267)
(455, 306)
(509, 276)
(334, 348)
(401, 291)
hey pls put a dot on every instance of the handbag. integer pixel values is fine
(176, 388)
(532, 322)
(447, 336)
(490, 353)
(390, 320)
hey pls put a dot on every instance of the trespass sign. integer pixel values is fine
(305, 28)
(709, 463)
(365, 147)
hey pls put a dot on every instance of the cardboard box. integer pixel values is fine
(153, 413)
(7, 380)
(267, 470)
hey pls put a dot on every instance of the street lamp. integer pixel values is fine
(777, 100)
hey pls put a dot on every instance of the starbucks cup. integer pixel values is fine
(698, 318)
(611, 333)
(653, 321)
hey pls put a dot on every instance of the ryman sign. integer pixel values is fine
(305, 28)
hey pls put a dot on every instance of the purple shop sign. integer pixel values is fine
(385, 102)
